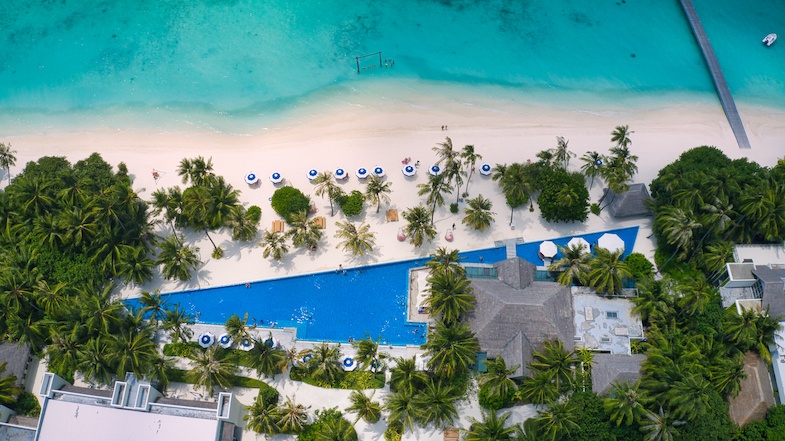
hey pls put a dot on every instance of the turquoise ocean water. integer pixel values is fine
(247, 61)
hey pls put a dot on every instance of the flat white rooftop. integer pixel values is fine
(759, 254)
(67, 421)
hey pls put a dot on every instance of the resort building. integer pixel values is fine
(514, 313)
(608, 368)
(604, 324)
(633, 202)
(756, 280)
(133, 410)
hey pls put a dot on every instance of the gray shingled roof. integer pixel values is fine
(632, 202)
(608, 368)
(773, 289)
(514, 314)
(17, 357)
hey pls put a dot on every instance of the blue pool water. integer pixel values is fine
(530, 250)
(325, 306)
(203, 61)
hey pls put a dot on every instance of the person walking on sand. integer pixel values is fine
(453, 227)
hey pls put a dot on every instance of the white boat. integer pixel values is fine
(770, 39)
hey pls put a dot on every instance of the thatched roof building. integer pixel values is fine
(608, 368)
(633, 202)
(17, 357)
(514, 314)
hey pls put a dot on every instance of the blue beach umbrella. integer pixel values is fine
(206, 339)
(378, 171)
(362, 173)
(225, 341)
(349, 364)
(271, 342)
(409, 171)
(306, 358)
(251, 178)
(435, 170)
(276, 178)
(340, 174)
(312, 173)
(485, 169)
(246, 344)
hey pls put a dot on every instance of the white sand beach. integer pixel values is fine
(366, 133)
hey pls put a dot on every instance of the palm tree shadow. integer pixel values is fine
(368, 258)
(199, 279)
(233, 249)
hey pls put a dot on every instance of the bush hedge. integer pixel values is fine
(254, 213)
(288, 201)
(351, 204)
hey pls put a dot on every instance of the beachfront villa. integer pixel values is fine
(756, 280)
(132, 410)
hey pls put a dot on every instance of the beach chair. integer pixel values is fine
(321, 222)
(392, 215)
(451, 434)
(278, 226)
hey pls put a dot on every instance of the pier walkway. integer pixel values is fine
(728, 105)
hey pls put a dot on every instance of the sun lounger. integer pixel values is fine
(321, 222)
(451, 434)
(278, 226)
(392, 215)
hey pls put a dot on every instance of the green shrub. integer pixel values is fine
(217, 253)
(179, 349)
(453, 208)
(595, 209)
(311, 431)
(254, 213)
(564, 197)
(394, 432)
(494, 402)
(640, 267)
(288, 201)
(351, 204)
(359, 380)
(269, 395)
(27, 405)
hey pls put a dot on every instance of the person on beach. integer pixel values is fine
(453, 226)
(340, 267)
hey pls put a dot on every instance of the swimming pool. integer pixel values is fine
(327, 306)
(529, 251)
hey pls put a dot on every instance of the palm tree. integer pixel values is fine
(478, 214)
(621, 136)
(355, 239)
(515, 186)
(450, 296)
(405, 376)
(561, 153)
(169, 202)
(727, 373)
(294, 416)
(134, 265)
(368, 352)
(177, 322)
(377, 191)
(213, 367)
(493, 427)
(419, 225)
(178, 259)
(556, 362)
(263, 417)
(435, 190)
(717, 255)
(592, 163)
(444, 260)
(244, 227)
(324, 364)
(196, 170)
(8, 388)
(93, 362)
(470, 159)
(558, 420)
(197, 206)
(497, 380)
(336, 429)
(677, 228)
(34, 195)
(445, 152)
(402, 409)
(659, 426)
(99, 312)
(52, 298)
(79, 226)
(153, 304)
(366, 409)
(133, 350)
(238, 328)
(452, 349)
(7, 159)
(325, 185)
(63, 351)
(304, 232)
(436, 403)
(608, 272)
(751, 330)
(624, 403)
(573, 265)
(265, 358)
(274, 245)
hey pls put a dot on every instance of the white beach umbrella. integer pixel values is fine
(206, 339)
(225, 341)
(435, 170)
(611, 242)
(251, 178)
(340, 174)
(362, 173)
(578, 241)
(276, 178)
(548, 249)
(246, 344)
(312, 173)
(378, 171)
(408, 171)
(348, 364)
(485, 169)
(271, 342)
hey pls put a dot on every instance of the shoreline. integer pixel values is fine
(366, 133)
